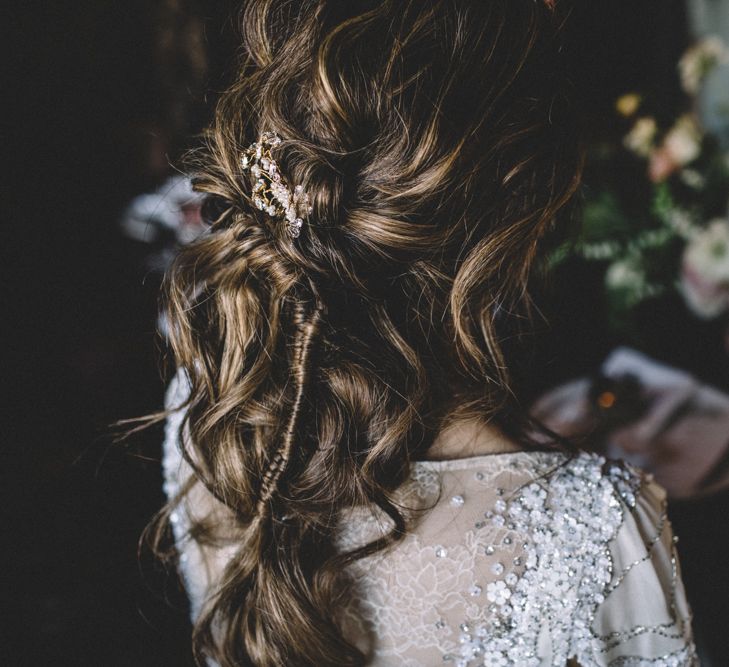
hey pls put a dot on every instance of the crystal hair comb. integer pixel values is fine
(271, 192)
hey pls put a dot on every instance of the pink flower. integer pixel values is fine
(681, 146)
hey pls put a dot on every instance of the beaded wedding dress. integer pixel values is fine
(525, 559)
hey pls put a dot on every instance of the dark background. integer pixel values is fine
(103, 96)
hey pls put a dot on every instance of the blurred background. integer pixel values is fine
(101, 100)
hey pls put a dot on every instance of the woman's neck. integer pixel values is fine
(469, 437)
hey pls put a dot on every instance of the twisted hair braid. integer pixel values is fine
(307, 328)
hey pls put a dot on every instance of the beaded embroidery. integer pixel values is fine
(545, 549)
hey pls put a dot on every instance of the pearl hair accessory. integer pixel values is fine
(271, 192)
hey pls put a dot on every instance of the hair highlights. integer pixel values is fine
(437, 146)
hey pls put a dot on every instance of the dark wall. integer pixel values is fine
(103, 96)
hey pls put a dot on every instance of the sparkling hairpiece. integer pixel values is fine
(271, 193)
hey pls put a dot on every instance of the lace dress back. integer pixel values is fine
(526, 558)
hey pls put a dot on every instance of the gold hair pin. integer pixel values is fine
(270, 192)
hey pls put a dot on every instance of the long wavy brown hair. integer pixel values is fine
(438, 144)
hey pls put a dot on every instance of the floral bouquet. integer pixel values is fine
(656, 213)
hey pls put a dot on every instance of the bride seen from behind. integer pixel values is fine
(353, 477)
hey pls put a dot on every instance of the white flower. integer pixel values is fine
(640, 139)
(680, 221)
(693, 178)
(705, 270)
(498, 592)
(625, 274)
(708, 252)
(683, 141)
(699, 60)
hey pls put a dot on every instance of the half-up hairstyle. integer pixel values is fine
(437, 144)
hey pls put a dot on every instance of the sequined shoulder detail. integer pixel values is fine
(519, 559)
(513, 564)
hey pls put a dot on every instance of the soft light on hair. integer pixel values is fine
(437, 146)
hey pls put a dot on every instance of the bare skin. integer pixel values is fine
(470, 437)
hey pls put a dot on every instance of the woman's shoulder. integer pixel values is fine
(573, 502)
(529, 554)
(575, 477)
(552, 496)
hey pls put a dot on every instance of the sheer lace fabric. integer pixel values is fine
(524, 558)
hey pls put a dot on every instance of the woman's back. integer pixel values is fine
(519, 558)
(382, 176)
